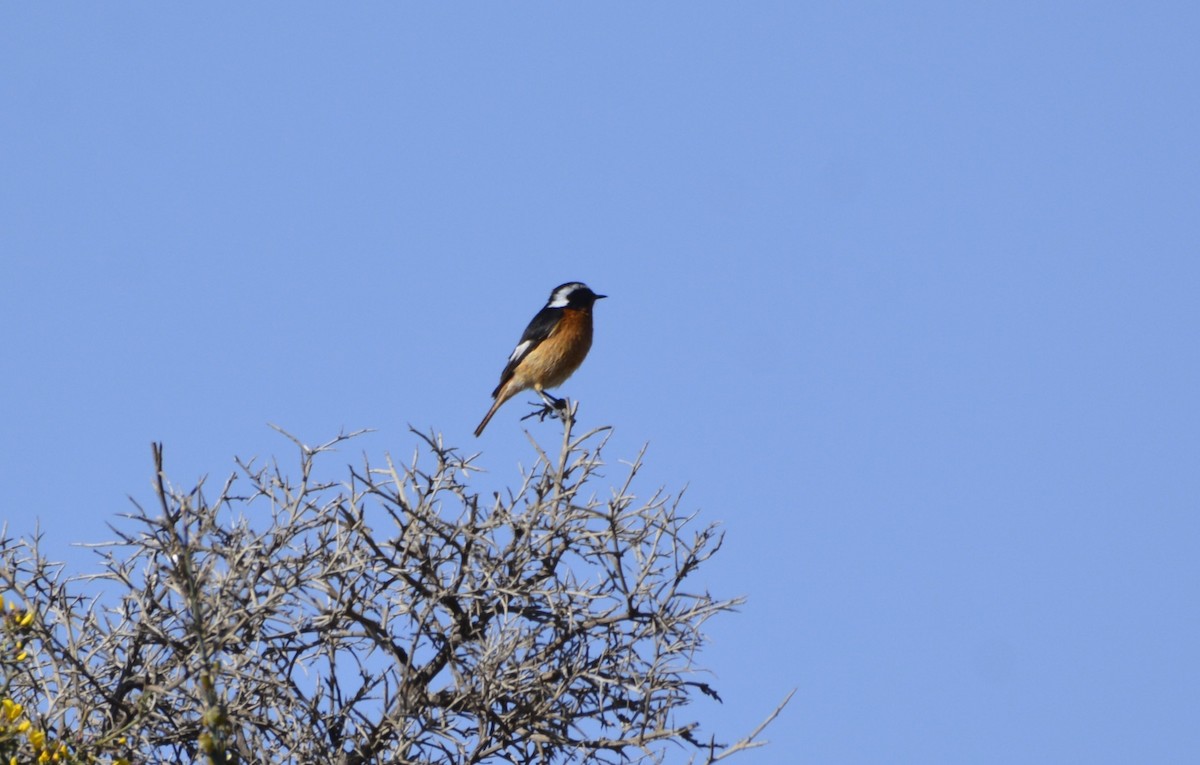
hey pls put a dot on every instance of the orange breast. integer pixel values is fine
(558, 356)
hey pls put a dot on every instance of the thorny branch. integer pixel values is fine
(398, 616)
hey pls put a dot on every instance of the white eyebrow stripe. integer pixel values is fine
(519, 351)
(560, 297)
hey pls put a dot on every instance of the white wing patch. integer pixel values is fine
(519, 351)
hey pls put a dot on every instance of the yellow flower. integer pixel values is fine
(23, 726)
(12, 710)
(27, 619)
(23, 655)
(37, 738)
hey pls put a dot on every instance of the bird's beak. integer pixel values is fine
(598, 297)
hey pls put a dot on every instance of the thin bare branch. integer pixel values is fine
(393, 615)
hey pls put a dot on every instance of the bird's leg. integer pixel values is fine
(551, 407)
(552, 402)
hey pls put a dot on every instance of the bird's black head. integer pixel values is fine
(572, 295)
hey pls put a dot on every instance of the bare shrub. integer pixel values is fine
(393, 616)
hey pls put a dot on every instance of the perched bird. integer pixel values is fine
(552, 348)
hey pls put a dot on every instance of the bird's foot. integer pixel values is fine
(554, 408)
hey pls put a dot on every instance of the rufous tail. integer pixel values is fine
(488, 417)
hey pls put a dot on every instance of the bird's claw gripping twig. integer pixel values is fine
(550, 407)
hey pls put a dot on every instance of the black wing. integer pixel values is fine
(538, 330)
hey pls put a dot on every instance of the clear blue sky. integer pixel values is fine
(906, 293)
